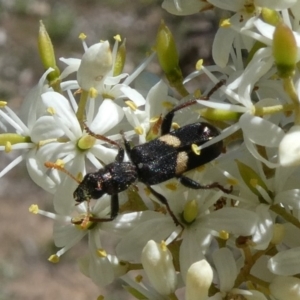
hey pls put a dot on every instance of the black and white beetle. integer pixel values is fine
(166, 157)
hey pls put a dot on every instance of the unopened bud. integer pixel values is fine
(284, 50)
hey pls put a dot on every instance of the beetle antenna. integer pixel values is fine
(99, 136)
(51, 165)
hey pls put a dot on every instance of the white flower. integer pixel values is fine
(285, 263)
(198, 235)
(198, 280)
(256, 130)
(26, 137)
(102, 79)
(95, 64)
(157, 261)
(70, 143)
(69, 229)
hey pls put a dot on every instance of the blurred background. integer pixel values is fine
(26, 239)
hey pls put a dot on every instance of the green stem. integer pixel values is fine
(132, 267)
(289, 87)
(284, 214)
(56, 86)
(180, 88)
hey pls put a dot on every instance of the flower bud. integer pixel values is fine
(219, 114)
(95, 64)
(251, 178)
(157, 261)
(289, 148)
(284, 50)
(283, 288)
(270, 16)
(167, 54)
(120, 59)
(198, 280)
(47, 55)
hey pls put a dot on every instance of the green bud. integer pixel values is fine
(270, 16)
(219, 114)
(168, 56)
(284, 50)
(13, 138)
(251, 178)
(46, 52)
(120, 59)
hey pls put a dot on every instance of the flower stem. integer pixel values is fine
(289, 87)
(283, 213)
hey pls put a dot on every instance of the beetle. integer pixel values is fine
(154, 162)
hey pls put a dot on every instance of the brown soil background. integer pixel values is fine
(26, 239)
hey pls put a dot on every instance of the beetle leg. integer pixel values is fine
(190, 183)
(114, 210)
(167, 120)
(164, 201)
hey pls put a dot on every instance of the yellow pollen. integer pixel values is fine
(225, 23)
(175, 125)
(101, 253)
(253, 182)
(232, 181)
(54, 259)
(224, 235)
(199, 64)
(154, 119)
(100, 297)
(117, 37)
(171, 186)
(7, 147)
(195, 149)
(60, 163)
(139, 130)
(3, 104)
(82, 36)
(139, 278)
(33, 208)
(93, 93)
(163, 246)
(51, 111)
(167, 104)
(131, 104)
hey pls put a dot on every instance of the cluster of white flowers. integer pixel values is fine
(237, 245)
